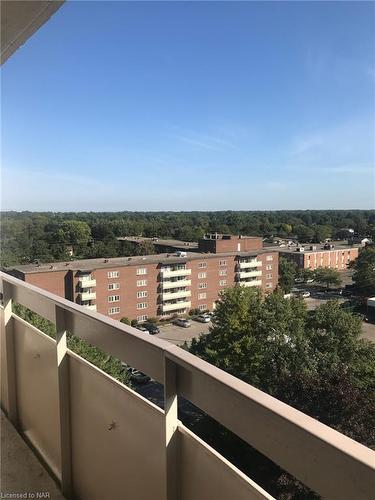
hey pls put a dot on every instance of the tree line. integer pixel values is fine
(48, 236)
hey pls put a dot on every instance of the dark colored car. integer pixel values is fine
(152, 328)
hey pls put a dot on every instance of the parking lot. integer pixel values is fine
(178, 335)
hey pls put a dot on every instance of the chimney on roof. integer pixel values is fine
(105, 260)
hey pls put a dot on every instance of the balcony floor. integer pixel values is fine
(21, 471)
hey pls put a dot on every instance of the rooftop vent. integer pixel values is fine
(105, 260)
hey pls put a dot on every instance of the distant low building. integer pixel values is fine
(314, 256)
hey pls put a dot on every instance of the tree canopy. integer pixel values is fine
(26, 236)
(364, 271)
(287, 274)
(315, 361)
(327, 276)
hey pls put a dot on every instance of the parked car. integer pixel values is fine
(347, 293)
(142, 329)
(203, 318)
(152, 328)
(299, 280)
(182, 322)
(310, 280)
(305, 295)
(137, 376)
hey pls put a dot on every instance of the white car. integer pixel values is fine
(305, 295)
(203, 318)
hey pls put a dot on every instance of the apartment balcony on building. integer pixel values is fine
(245, 264)
(249, 274)
(252, 282)
(177, 306)
(87, 295)
(174, 271)
(99, 438)
(91, 307)
(86, 281)
(175, 283)
(175, 294)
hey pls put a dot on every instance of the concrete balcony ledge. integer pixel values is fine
(253, 263)
(176, 295)
(84, 283)
(176, 306)
(88, 295)
(169, 273)
(251, 283)
(102, 440)
(250, 274)
(167, 285)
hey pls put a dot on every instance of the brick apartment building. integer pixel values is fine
(159, 285)
(336, 256)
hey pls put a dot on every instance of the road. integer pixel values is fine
(178, 335)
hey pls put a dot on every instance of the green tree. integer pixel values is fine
(322, 233)
(327, 276)
(125, 320)
(306, 274)
(145, 247)
(287, 274)
(364, 271)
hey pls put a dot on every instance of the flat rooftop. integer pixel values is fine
(338, 245)
(161, 242)
(103, 263)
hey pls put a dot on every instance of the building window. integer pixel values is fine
(202, 307)
(223, 272)
(113, 298)
(202, 285)
(142, 318)
(202, 275)
(269, 257)
(269, 285)
(141, 270)
(268, 267)
(142, 305)
(202, 265)
(113, 274)
(113, 286)
(202, 296)
(141, 295)
(222, 263)
(222, 282)
(141, 282)
(113, 310)
(269, 276)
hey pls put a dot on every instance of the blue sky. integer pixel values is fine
(192, 106)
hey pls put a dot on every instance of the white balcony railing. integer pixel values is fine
(176, 306)
(250, 264)
(249, 274)
(99, 438)
(178, 294)
(86, 283)
(88, 296)
(167, 285)
(251, 283)
(174, 273)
